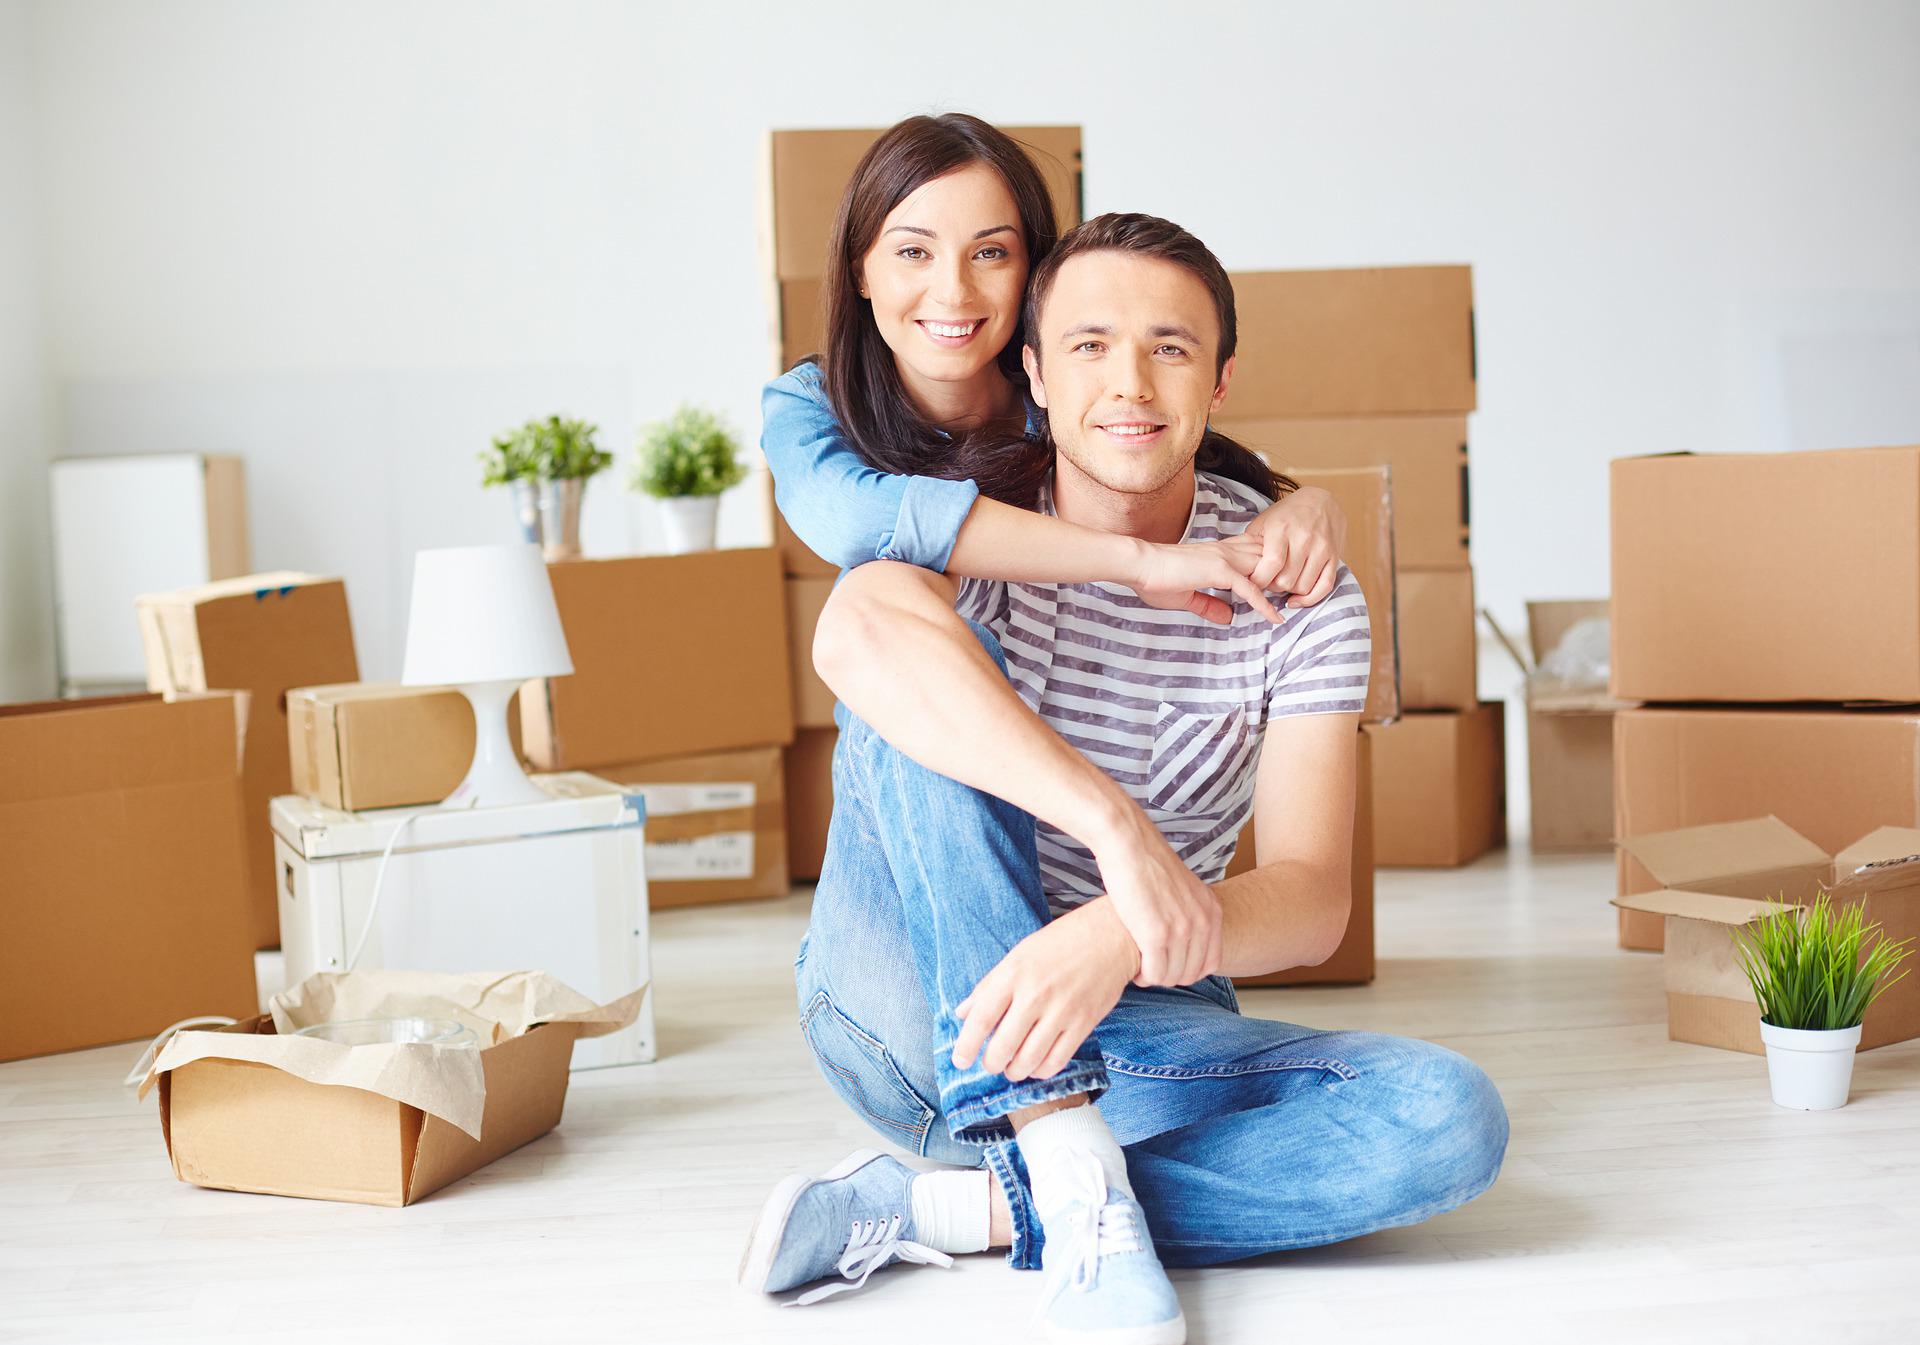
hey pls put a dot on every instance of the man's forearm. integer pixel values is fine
(1281, 915)
(890, 646)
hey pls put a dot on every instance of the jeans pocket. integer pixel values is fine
(860, 1069)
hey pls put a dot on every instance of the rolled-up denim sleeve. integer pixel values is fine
(846, 511)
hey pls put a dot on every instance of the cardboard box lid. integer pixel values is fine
(1696, 857)
(1879, 864)
(1695, 905)
(1549, 621)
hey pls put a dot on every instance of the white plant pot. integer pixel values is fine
(690, 522)
(1810, 1071)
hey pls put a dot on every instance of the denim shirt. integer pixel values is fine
(846, 511)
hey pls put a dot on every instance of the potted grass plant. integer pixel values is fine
(513, 461)
(685, 462)
(1815, 971)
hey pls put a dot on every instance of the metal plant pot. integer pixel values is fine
(526, 507)
(560, 517)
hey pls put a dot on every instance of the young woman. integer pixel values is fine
(1216, 1137)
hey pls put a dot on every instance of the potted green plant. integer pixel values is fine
(513, 461)
(1815, 971)
(685, 462)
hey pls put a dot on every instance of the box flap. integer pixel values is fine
(258, 585)
(1695, 857)
(1548, 622)
(1883, 843)
(1695, 905)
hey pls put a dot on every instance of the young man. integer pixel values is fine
(1023, 908)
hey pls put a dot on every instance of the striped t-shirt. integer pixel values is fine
(1173, 707)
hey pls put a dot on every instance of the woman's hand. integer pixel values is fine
(1301, 537)
(1173, 917)
(1047, 995)
(1174, 576)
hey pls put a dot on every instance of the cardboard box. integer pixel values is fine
(1721, 877)
(254, 1107)
(123, 868)
(807, 174)
(1439, 662)
(1439, 787)
(809, 800)
(360, 745)
(1828, 773)
(1569, 738)
(1352, 962)
(716, 826)
(1366, 496)
(1377, 341)
(1428, 455)
(812, 701)
(672, 655)
(1767, 576)
(263, 634)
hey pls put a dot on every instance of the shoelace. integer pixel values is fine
(1105, 1228)
(872, 1244)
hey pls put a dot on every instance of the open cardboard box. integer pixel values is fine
(253, 1107)
(1720, 877)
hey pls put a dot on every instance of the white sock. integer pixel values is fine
(1045, 1144)
(950, 1210)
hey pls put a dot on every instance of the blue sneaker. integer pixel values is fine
(1105, 1285)
(848, 1222)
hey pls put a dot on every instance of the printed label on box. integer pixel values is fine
(672, 800)
(725, 854)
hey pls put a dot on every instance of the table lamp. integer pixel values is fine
(483, 621)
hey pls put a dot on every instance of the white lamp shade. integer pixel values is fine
(483, 614)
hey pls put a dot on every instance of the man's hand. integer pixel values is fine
(1174, 577)
(1174, 918)
(1045, 998)
(1301, 539)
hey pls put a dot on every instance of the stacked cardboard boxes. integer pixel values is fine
(1776, 684)
(1339, 369)
(680, 686)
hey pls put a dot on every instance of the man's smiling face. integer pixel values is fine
(1125, 362)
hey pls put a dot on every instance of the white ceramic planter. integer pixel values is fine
(690, 522)
(1810, 1071)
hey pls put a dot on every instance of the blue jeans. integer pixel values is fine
(1242, 1135)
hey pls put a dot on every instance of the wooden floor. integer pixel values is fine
(1651, 1192)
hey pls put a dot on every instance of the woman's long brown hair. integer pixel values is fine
(863, 382)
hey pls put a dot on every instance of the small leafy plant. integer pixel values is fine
(567, 449)
(513, 457)
(1818, 968)
(689, 453)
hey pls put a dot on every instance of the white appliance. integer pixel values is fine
(124, 526)
(558, 886)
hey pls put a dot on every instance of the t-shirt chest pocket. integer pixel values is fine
(1199, 753)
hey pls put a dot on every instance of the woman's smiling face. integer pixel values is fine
(946, 276)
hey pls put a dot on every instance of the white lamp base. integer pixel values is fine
(494, 779)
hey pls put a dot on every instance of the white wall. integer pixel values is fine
(26, 566)
(349, 240)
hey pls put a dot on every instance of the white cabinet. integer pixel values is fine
(133, 525)
(558, 887)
